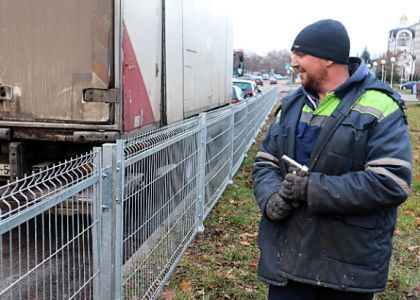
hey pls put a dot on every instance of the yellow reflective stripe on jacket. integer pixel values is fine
(278, 115)
(376, 104)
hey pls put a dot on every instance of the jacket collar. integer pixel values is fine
(358, 72)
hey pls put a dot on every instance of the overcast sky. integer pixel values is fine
(264, 25)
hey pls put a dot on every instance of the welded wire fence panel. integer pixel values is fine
(240, 135)
(159, 205)
(48, 230)
(115, 223)
(257, 112)
(218, 157)
(173, 178)
(248, 120)
(254, 107)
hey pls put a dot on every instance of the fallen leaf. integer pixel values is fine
(247, 235)
(253, 265)
(226, 236)
(242, 272)
(168, 295)
(249, 288)
(185, 286)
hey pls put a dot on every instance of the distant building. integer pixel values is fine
(404, 44)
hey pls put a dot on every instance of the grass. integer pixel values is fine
(222, 262)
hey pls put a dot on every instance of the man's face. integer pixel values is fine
(312, 70)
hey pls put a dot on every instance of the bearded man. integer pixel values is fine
(327, 234)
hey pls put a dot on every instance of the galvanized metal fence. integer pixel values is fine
(49, 232)
(114, 223)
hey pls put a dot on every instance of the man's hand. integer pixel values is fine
(277, 209)
(294, 189)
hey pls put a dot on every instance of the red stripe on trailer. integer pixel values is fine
(137, 110)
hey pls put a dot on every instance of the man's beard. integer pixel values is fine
(316, 81)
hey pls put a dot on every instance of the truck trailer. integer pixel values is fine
(74, 74)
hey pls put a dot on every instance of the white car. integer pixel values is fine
(249, 88)
(237, 94)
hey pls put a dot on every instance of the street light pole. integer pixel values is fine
(383, 61)
(369, 66)
(392, 69)
(375, 64)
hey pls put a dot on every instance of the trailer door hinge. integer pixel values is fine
(100, 95)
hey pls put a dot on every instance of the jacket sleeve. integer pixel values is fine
(267, 172)
(384, 182)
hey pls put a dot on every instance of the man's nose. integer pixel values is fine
(294, 61)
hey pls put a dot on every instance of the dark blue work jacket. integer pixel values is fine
(360, 171)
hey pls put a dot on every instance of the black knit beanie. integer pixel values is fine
(324, 39)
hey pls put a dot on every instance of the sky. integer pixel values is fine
(263, 25)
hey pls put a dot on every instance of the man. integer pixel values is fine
(328, 234)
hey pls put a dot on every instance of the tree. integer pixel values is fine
(366, 56)
(252, 62)
(274, 61)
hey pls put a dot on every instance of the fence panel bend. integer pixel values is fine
(49, 224)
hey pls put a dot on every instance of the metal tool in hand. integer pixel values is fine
(301, 169)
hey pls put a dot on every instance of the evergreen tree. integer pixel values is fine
(366, 56)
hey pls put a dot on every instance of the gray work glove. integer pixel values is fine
(277, 209)
(294, 189)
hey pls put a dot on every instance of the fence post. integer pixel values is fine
(96, 230)
(111, 259)
(119, 212)
(247, 126)
(232, 141)
(202, 173)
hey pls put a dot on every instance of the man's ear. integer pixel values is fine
(329, 63)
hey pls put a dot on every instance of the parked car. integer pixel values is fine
(237, 94)
(248, 87)
(280, 77)
(409, 85)
(247, 77)
(258, 80)
(273, 80)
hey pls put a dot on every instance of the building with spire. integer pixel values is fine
(404, 45)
